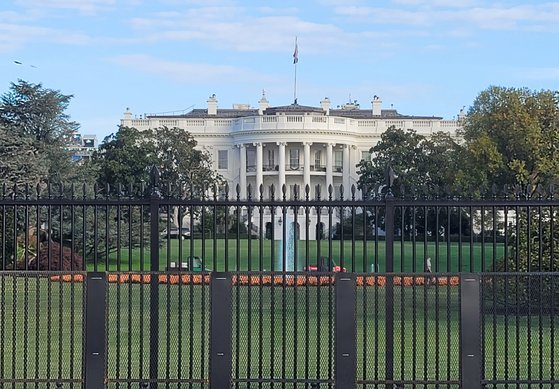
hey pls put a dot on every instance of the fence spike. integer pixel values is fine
(540, 191)
(494, 190)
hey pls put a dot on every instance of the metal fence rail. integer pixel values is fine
(263, 329)
(278, 290)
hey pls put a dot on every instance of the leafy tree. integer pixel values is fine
(34, 131)
(36, 113)
(126, 158)
(424, 165)
(20, 161)
(403, 150)
(511, 136)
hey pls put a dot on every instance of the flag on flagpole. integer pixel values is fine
(296, 53)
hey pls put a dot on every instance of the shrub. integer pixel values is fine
(529, 286)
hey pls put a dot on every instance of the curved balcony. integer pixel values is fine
(294, 168)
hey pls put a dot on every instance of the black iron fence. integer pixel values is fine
(278, 290)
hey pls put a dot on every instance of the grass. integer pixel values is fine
(277, 332)
(255, 255)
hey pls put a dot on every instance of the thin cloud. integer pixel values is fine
(435, 13)
(82, 6)
(248, 33)
(13, 36)
(196, 73)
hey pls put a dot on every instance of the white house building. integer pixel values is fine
(292, 144)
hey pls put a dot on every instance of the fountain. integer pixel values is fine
(287, 245)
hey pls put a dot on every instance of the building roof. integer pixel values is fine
(368, 113)
(295, 109)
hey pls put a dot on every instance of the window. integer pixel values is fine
(271, 160)
(222, 162)
(365, 156)
(251, 160)
(317, 159)
(338, 161)
(294, 159)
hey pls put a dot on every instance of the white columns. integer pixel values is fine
(347, 172)
(243, 171)
(281, 168)
(307, 166)
(259, 179)
(329, 163)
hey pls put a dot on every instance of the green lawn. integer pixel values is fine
(255, 255)
(276, 332)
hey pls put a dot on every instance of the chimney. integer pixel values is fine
(325, 105)
(263, 104)
(212, 105)
(377, 103)
(127, 119)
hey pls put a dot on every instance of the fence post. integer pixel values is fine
(154, 279)
(221, 359)
(470, 330)
(96, 330)
(389, 298)
(345, 368)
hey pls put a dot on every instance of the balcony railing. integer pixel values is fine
(294, 167)
(318, 168)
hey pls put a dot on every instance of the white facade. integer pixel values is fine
(291, 145)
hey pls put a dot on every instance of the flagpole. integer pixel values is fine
(295, 61)
(295, 87)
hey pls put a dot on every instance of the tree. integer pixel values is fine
(511, 136)
(34, 130)
(403, 150)
(419, 162)
(427, 165)
(36, 113)
(126, 158)
(21, 163)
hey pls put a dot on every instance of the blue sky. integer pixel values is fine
(424, 57)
